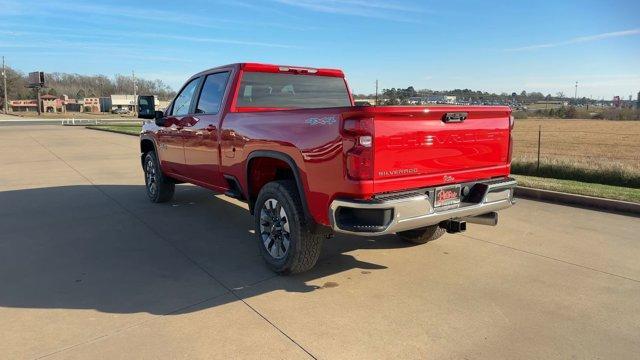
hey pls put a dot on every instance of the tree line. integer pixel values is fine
(402, 96)
(81, 86)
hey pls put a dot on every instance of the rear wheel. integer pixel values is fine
(159, 187)
(422, 235)
(285, 240)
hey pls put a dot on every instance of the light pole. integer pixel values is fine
(575, 94)
(376, 102)
(4, 80)
(133, 75)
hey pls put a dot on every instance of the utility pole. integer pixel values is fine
(376, 91)
(133, 75)
(39, 100)
(4, 79)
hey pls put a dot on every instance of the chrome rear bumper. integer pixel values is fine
(417, 211)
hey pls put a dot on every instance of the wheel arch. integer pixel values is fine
(296, 176)
(146, 145)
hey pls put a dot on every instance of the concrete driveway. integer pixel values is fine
(90, 269)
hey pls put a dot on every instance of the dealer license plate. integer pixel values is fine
(447, 195)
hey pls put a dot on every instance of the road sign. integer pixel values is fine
(36, 79)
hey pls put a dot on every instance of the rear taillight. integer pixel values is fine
(359, 157)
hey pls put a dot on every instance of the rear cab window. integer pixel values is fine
(291, 91)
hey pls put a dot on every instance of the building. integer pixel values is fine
(91, 105)
(123, 102)
(52, 104)
(71, 104)
(63, 103)
(23, 105)
(49, 103)
(105, 104)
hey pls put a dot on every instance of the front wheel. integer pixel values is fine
(285, 240)
(159, 187)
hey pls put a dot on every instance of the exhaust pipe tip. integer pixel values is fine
(490, 219)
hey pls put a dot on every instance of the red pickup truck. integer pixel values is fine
(290, 142)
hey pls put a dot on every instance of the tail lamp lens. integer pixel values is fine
(360, 157)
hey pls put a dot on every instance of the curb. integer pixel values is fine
(92, 127)
(590, 202)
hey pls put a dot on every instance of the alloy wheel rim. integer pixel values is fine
(150, 173)
(274, 229)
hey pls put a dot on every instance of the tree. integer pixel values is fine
(16, 85)
(390, 96)
(560, 95)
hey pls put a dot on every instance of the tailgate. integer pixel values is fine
(438, 143)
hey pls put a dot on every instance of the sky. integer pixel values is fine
(497, 46)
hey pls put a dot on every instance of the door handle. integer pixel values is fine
(210, 128)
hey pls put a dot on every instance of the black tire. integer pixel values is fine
(158, 186)
(304, 246)
(422, 235)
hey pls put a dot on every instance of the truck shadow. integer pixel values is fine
(108, 248)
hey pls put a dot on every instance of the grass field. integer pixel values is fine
(580, 188)
(604, 151)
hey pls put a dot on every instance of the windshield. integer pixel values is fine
(274, 90)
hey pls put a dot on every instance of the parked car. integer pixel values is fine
(290, 142)
(121, 111)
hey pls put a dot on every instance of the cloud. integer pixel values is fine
(577, 40)
(127, 14)
(371, 9)
(216, 40)
(66, 33)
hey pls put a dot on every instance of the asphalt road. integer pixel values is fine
(90, 269)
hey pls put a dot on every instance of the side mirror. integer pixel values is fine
(160, 119)
(146, 107)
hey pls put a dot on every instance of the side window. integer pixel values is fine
(182, 104)
(212, 93)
